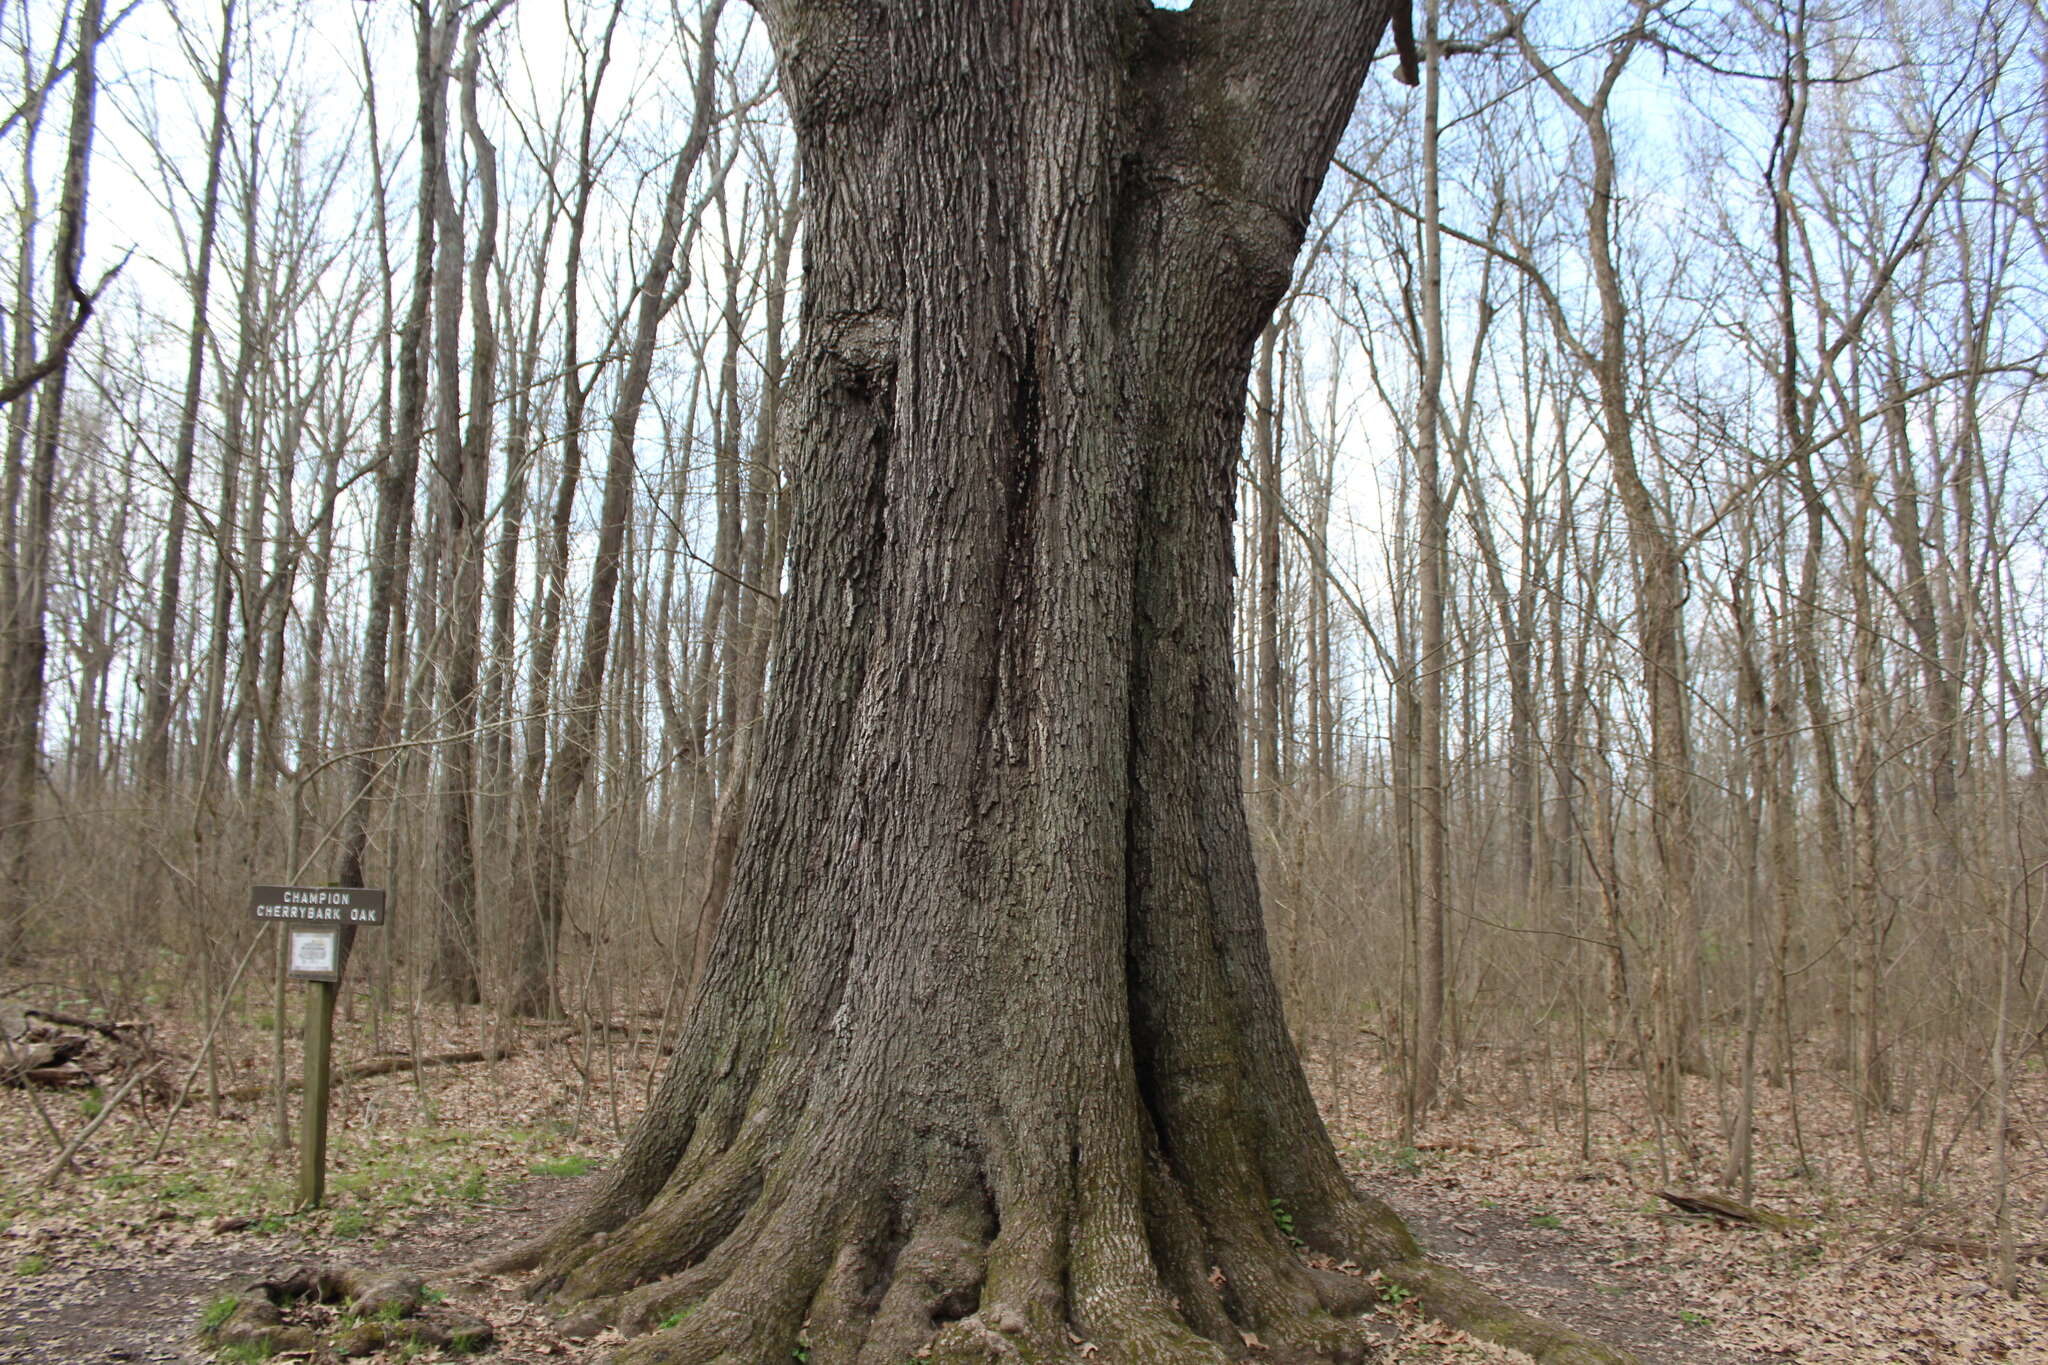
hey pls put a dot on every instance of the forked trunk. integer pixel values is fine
(988, 1058)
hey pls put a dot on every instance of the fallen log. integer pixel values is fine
(49, 1047)
(1703, 1204)
(382, 1066)
(41, 1062)
(119, 1032)
(68, 1076)
(383, 1310)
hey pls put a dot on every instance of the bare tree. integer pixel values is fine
(546, 851)
(30, 493)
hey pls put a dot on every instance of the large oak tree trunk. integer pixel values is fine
(988, 1059)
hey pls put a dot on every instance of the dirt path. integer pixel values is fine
(138, 1301)
(1559, 1276)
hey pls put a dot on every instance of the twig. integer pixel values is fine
(205, 1047)
(14, 1061)
(56, 1168)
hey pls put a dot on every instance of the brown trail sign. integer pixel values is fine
(319, 924)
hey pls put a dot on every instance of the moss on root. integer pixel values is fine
(379, 1311)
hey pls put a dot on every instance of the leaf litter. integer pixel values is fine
(1556, 1207)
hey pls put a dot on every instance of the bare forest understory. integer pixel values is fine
(1539, 1178)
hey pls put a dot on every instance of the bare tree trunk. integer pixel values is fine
(236, 460)
(28, 580)
(534, 942)
(1868, 1079)
(1011, 764)
(20, 416)
(546, 849)
(1661, 587)
(760, 570)
(155, 761)
(1432, 883)
(390, 558)
(500, 686)
(454, 974)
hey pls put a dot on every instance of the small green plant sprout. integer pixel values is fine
(1394, 1295)
(677, 1318)
(1545, 1220)
(181, 1187)
(91, 1102)
(217, 1313)
(32, 1264)
(563, 1166)
(1693, 1319)
(466, 1343)
(390, 1311)
(1284, 1221)
(433, 1295)
(1406, 1160)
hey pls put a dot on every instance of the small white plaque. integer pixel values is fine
(316, 954)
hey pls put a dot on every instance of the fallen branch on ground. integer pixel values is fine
(1702, 1204)
(382, 1066)
(57, 1167)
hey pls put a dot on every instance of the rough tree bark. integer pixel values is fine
(988, 1061)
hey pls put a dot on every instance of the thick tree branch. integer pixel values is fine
(60, 347)
(1273, 85)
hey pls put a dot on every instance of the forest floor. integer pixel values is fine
(1545, 1187)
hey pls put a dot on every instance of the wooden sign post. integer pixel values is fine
(319, 924)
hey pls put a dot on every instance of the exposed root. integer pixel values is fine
(729, 1272)
(681, 1227)
(1150, 1334)
(937, 1279)
(1181, 1252)
(1345, 1296)
(754, 1316)
(997, 1334)
(845, 1303)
